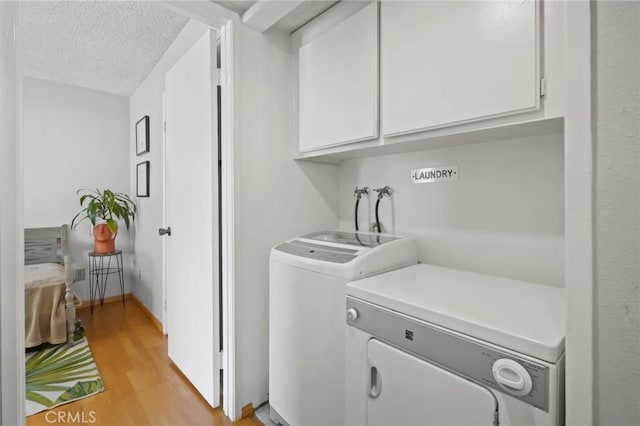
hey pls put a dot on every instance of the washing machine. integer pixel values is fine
(428, 345)
(307, 281)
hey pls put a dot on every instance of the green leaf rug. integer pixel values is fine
(60, 374)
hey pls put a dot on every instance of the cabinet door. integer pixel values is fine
(405, 390)
(338, 83)
(451, 62)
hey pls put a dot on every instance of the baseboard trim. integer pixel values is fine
(247, 411)
(148, 313)
(86, 304)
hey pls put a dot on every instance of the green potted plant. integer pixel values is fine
(103, 209)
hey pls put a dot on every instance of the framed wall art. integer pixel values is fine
(142, 135)
(142, 179)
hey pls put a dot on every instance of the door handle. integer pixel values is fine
(163, 231)
(375, 383)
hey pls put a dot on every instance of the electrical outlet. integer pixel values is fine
(80, 275)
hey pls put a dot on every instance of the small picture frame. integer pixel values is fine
(142, 179)
(142, 135)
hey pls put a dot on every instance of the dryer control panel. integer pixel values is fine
(520, 376)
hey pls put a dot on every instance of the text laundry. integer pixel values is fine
(434, 174)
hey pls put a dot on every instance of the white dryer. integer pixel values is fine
(307, 281)
(435, 346)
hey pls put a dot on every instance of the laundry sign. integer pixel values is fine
(434, 174)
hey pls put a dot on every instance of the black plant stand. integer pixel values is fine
(100, 268)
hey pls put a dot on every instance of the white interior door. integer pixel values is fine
(191, 212)
(405, 390)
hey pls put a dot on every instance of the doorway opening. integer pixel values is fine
(222, 197)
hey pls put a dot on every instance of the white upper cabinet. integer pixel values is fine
(338, 83)
(451, 62)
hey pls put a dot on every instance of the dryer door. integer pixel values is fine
(405, 390)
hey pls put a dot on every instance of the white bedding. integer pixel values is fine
(43, 274)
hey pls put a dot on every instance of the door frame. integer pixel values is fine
(12, 396)
(225, 22)
(12, 355)
(164, 213)
(579, 213)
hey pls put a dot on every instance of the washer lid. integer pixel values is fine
(357, 239)
(347, 255)
(525, 317)
(334, 246)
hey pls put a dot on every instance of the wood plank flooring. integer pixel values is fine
(142, 386)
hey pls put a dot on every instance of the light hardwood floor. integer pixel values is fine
(142, 386)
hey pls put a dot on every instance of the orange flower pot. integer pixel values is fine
(104, 241)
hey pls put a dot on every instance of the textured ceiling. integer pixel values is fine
(103, 45)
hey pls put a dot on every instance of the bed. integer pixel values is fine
(50, 303)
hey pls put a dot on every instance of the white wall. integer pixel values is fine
(147, 100)
(503, 217)
(73, 138)
(617, 230)
(276, 198)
